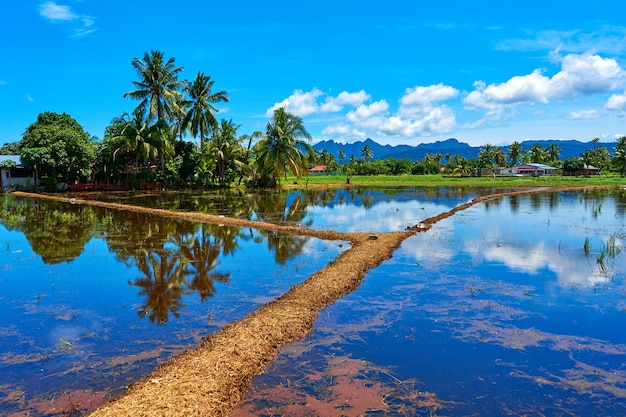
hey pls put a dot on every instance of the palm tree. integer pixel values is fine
(367, 152)
(223, 147)
(620, 155)
(138, 137)
(200, 117)
(342, 155)
(515, 153)
(281, 150)
(554, 152)
(158, 89)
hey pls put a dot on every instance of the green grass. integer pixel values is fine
(440, 180)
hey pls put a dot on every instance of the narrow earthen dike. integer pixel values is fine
(211, 379)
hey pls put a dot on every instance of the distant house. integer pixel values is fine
(18, 175)
(586, 171)
(534, 170)
(317, 170)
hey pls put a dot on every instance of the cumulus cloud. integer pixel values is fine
(335, 104)
(420, 112)
(584, 114)
(617, 102)
(579, 75)
(82, 25)
(299, 103)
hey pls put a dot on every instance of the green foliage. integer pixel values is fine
(11, 148)
(573, 165)
(57, 145)
(279, 152)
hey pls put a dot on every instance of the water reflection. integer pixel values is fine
(341, 209)
(98, 298)
(175, 258)
(497, 310)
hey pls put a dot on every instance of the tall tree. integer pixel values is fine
(58, 146)
(159, 90)
(138, 139)
(282, 149)
(223, 148)
(554, 152)
(200, 117)
(158, 87)
(619, 161)
(515, 153)
(367, 152)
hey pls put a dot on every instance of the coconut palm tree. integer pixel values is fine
(367, 152)
(137, 138)
(159, 89)
(515, 153)
(200, 117)
(223, 148)
(281, 150)
(158, 86)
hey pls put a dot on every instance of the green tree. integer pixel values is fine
(137, 140)
(485, 156)
(281, 150)
(515, 153)
(200, 117)
(158, 86)
(367, 152)
(619, 161)
(159, 90)
(56, 145)
(223, 148)
(538, 154)
(554, 152)
(11, 148)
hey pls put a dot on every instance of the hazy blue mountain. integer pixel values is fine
(569, 148)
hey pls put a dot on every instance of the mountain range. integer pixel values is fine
(569, 148)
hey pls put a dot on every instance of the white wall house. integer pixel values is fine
(19, 175)
(534, 170)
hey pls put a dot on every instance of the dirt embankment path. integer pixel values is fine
(211, 379)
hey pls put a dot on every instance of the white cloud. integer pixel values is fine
(345, 131)
(616, 102)
(366, 112)
(54, 12)
(579, 75)
(584, 114)
(3, 82)
(83, 25)
(30, 98)
(299, 103)
(335, 104)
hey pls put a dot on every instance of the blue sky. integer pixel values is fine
(399, 72)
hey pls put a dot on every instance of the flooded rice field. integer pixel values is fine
(511, 307)
(515, 306)
(92, 299)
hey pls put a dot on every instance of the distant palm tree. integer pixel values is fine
(281, 150)
(515, 153)
(342, 155)
(554, 152)
(200, 117)
(367, 152)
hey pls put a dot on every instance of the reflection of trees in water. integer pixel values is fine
(163, 284)
(57, 233)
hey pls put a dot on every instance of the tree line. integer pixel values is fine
(149, 145)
